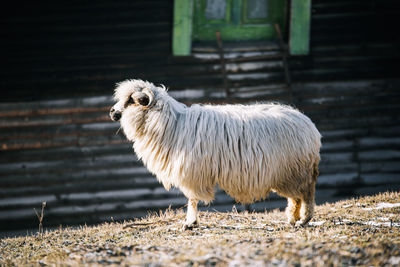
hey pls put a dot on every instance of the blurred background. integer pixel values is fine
(335, 60)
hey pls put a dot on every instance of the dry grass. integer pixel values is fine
(344, 233)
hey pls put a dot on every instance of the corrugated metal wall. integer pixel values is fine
(68, 153)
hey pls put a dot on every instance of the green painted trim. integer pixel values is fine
(299, 41)
(236, 10)
(182, 28)
(238, 33)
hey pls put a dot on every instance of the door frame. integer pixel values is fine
(299, 27)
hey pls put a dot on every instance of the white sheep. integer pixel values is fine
(247, 150)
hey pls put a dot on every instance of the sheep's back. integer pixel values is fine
(247, 150)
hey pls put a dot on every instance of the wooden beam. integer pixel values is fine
(223, 66)
(299, 41)
(182, 28)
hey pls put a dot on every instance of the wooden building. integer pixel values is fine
(336, 60)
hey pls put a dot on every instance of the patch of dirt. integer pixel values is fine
(360, 231)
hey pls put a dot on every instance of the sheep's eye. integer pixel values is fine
(130, 101)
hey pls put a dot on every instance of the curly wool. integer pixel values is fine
(247, 150)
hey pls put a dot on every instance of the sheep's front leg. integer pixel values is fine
(191, 215)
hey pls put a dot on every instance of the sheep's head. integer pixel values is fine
(132, 96)
(143, 107)
(135, 99)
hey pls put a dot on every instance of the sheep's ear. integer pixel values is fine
(145, 98)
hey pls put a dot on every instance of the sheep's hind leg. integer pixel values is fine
(191, 215)
(308, 198)
(307, 207)
(293, 210)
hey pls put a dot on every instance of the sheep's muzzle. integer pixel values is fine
(115, 114)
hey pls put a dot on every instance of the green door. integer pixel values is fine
(237, 19)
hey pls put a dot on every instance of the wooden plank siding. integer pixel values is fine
(60, 64)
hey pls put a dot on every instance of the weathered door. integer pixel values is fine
(237, 19)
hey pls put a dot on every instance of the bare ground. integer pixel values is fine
(347, 233)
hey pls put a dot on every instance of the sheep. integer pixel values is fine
(247, 150)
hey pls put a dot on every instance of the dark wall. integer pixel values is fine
(74, 48)
(53, 49)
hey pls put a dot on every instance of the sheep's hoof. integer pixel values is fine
(292, 222)
(189, 226)
(301, 223)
